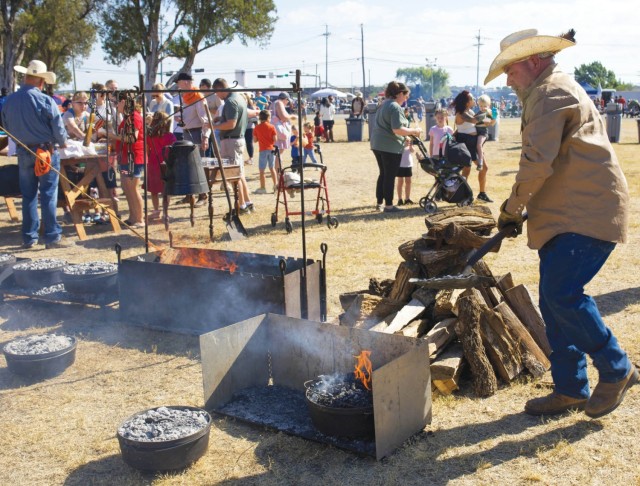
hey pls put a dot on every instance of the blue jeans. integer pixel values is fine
(574, 326)
(309, 153)
(48, 186)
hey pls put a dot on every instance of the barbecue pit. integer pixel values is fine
(197, 290)
(255, 371)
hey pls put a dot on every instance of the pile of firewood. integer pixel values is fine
(496, 330)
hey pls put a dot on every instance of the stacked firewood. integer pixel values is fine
(495, 330)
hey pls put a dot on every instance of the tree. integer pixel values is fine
(132, 28)
(434, 81)
(209, 24)
(594, 74)
(54, 45)
(48, 30)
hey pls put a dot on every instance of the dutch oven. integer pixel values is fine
(90, 278)
(164, 438)
(40, 356)
(38, 273)
(354, 422)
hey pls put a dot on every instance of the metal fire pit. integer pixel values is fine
(224, 288)
(255, 371)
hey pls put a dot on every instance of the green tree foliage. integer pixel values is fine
(425, 76)
(132, 28)
(48, 30)
(594, 74)
(62, 30)
(208, 24)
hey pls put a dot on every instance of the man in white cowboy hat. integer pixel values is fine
(33, 118)
(576, 198)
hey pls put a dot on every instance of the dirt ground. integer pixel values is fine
(62, 431)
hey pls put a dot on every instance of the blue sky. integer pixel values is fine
(406, 36)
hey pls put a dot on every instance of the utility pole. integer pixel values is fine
(364, 82)
(73, 66)
(478, 44)
(326, 55)
(161, 62)
(431, 65)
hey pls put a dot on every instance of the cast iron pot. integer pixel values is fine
(96, 283)
(40, 366)
(37, 278)
(166, 455)
(354, 423)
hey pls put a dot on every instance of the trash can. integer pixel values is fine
(355, 126)
(429, 116)
(371, 109)
(614, 121)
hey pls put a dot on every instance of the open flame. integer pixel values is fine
(363, 368)
(197, 257)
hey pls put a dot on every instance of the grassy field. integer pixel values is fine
(62, 431)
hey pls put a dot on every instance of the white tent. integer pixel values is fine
(324, 92)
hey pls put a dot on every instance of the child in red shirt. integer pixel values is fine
(160, 136)
(308, 143)
(265, 135)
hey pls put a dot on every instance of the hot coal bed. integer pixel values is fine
(197, 290)
(259, 370)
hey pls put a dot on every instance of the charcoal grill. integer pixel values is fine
(223, 288)
(255, 371)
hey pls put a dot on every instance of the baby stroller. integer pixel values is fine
(449, 185)
(289, 184)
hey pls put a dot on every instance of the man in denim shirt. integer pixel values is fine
(33, 118)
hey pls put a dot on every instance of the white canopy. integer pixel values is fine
(324, 92)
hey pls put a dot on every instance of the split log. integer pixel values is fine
(474, 218)
(446, 369)
(495, 295)
(505, 283)
(380, 287)
(456, 235)
(436, 262)
(402, 289)
(440, 336)
(368, 310)
(527, 343)
(467, 328)
(347, 298)
(424, 295)
(481, 268)
(408, 248)
(408, 313)
(501, 347)
(522, 304)
(415, 328)
(445, 303)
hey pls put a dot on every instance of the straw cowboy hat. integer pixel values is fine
(520, 45)
(38, 69)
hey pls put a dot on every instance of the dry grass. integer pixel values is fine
(62, 431)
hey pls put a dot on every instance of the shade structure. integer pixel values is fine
(324, 92)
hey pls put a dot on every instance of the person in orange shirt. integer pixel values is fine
(265, 135)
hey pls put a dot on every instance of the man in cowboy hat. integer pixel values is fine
(32, 117)
(576, 198)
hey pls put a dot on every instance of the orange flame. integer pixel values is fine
(363, 368)
(198, 257)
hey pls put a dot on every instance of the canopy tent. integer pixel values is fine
(324, 92)
(589, 89)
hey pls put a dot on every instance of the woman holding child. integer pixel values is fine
(467, 133)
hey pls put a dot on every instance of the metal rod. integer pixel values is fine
(144, 159)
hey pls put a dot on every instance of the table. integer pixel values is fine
(232, 174)
(73, 194)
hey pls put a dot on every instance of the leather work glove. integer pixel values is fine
(508, 219)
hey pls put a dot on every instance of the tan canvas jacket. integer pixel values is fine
(569, 179)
